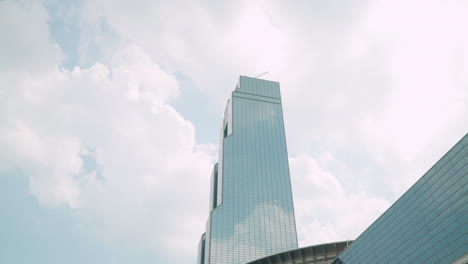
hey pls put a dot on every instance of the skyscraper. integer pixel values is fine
(251, 208)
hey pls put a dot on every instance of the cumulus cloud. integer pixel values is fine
(144, 151)
(370, 76)
(325, 210)
(19, 33)
(104, 142)
(232, 38)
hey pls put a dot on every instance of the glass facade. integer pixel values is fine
(428, 224)
(251, 206)
(201, 250)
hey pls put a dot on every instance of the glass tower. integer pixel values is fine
(251, 207)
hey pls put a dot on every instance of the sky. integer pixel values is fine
(110, 113)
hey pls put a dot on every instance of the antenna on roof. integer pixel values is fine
(261, 74)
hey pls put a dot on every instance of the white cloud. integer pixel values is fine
(229, 40)
(343, 66)
(146, 152)
(19, 34)
(105, 142)
(325, 210)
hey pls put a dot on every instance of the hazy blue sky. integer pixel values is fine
(110, 113)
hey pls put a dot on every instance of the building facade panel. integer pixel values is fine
(428, 224)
